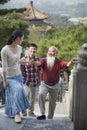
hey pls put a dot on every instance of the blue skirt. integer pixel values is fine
(16, 99)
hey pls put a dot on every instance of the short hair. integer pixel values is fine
(32, 45)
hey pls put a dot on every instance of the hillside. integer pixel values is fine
(68, 39)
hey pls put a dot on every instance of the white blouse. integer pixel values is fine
(10, 61)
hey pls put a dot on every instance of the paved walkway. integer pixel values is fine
(60, 121)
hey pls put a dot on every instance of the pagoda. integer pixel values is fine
(36, 18)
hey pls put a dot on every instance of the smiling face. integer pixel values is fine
(32, 51)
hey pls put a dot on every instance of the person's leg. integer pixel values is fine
(52, 102)
(43, 90)
(26, 89)
(32, 94)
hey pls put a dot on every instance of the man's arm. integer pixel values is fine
(71, 62)
(24, 61)
(36, 63)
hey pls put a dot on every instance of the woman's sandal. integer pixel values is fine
(18, 118)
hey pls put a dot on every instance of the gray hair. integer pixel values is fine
(55, 48)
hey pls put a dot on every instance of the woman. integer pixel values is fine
(16, 99)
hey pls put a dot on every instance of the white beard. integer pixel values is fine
(50, 61)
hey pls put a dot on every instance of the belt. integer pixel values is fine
(51, 84)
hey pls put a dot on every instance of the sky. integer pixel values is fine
(25, 3)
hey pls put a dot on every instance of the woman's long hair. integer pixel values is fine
(15, 34)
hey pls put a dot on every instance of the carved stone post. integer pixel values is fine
(71, 95)
(80, 91)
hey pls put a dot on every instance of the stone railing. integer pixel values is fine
(79, 102)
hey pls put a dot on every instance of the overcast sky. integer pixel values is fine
(25, 3)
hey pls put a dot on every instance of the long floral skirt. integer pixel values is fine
(16, 99)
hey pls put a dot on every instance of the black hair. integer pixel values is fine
(15, 34)
(32, 45)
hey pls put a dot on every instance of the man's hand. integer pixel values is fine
(72, 61)
(36, 63)
(25, 61)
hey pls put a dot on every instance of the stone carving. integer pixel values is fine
(82, 58)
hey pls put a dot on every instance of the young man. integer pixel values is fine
(31, 75)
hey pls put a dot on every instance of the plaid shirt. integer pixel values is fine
(30, 73)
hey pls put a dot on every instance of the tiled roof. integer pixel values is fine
(33, 13)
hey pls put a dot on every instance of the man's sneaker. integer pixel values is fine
(32, 114)
(50, 117)
(42, 117)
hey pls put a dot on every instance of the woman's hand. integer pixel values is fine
(5, 84)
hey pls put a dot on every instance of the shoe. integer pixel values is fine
(17, 119)
(32, 114)
(42, 117)
(50, 117)
(24, 114)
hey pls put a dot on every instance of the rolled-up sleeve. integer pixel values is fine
(4, 59)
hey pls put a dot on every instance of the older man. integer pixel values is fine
(51, 73)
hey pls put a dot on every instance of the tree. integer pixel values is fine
(3, 1)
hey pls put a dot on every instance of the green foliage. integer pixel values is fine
(69, 40)
(8, 25)
(6, 11)
(3, 1)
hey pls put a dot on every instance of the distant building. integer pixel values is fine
(78, 20)
(36, 18)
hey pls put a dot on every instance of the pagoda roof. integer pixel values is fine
(41, 25)
(32, 13)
